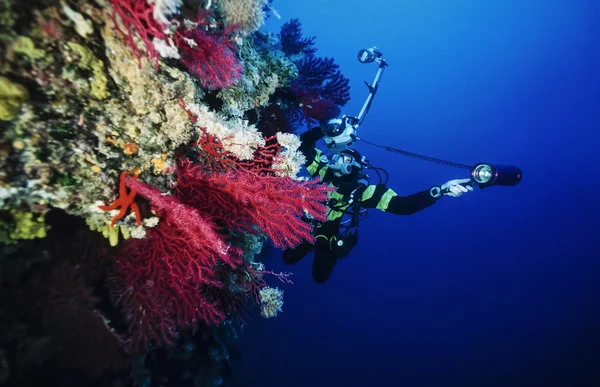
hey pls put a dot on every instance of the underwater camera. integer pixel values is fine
(486, 175)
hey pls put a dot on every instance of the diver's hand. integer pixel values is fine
(457, 187)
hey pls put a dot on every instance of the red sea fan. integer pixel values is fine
(164, 282)
(197, 231)
(177, 277)
(209, 57)
(137, 18)
(242, 200)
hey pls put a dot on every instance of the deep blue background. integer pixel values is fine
(498, 287)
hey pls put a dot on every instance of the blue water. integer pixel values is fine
(498, 287)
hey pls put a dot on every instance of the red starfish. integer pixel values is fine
(125, 200)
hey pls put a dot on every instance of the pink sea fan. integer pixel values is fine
(244, 199)
(137, 18)
(166, 283)
(209, 57)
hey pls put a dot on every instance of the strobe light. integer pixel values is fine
(486, 175)
(368, 55)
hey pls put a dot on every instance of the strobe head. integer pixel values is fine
(368, 55)
(486, 175)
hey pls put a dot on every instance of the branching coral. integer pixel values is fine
(288, 162)
(173, 280)
(323, 76)
(314, 94)
(235, 135)
(163, 9)
(319, 90)
(223, 148)
(292, 42)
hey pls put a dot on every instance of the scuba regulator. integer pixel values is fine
(341, 132)
(343, 161)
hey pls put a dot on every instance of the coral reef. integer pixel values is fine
(147, 160)
(265, 70)
(311, 95)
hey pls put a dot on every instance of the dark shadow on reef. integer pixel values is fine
(58, 326)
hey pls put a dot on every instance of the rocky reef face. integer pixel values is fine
(143, 145)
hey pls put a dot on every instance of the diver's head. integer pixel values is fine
(346, 162)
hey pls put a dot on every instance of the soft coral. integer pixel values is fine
(165, 282)
(210, 57)
(178, 277)
(245, 200)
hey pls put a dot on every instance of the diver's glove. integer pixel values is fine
(456, 187)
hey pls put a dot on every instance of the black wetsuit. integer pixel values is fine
(326, 247)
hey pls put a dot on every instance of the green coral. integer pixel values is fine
(23, 225)
(126, 228)
(112, 233)
(12, 96)
(25, 46)
(265, 69)
(88, 61)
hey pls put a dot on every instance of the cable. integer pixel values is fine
(421, 157)
(377, 169)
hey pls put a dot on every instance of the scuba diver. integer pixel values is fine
(354, 195)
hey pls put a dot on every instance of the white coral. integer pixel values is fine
(165, 8)
(247, 15)
(235, 135)
(82, 26)
(290, 160)
(166, 49)
(271, 301)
